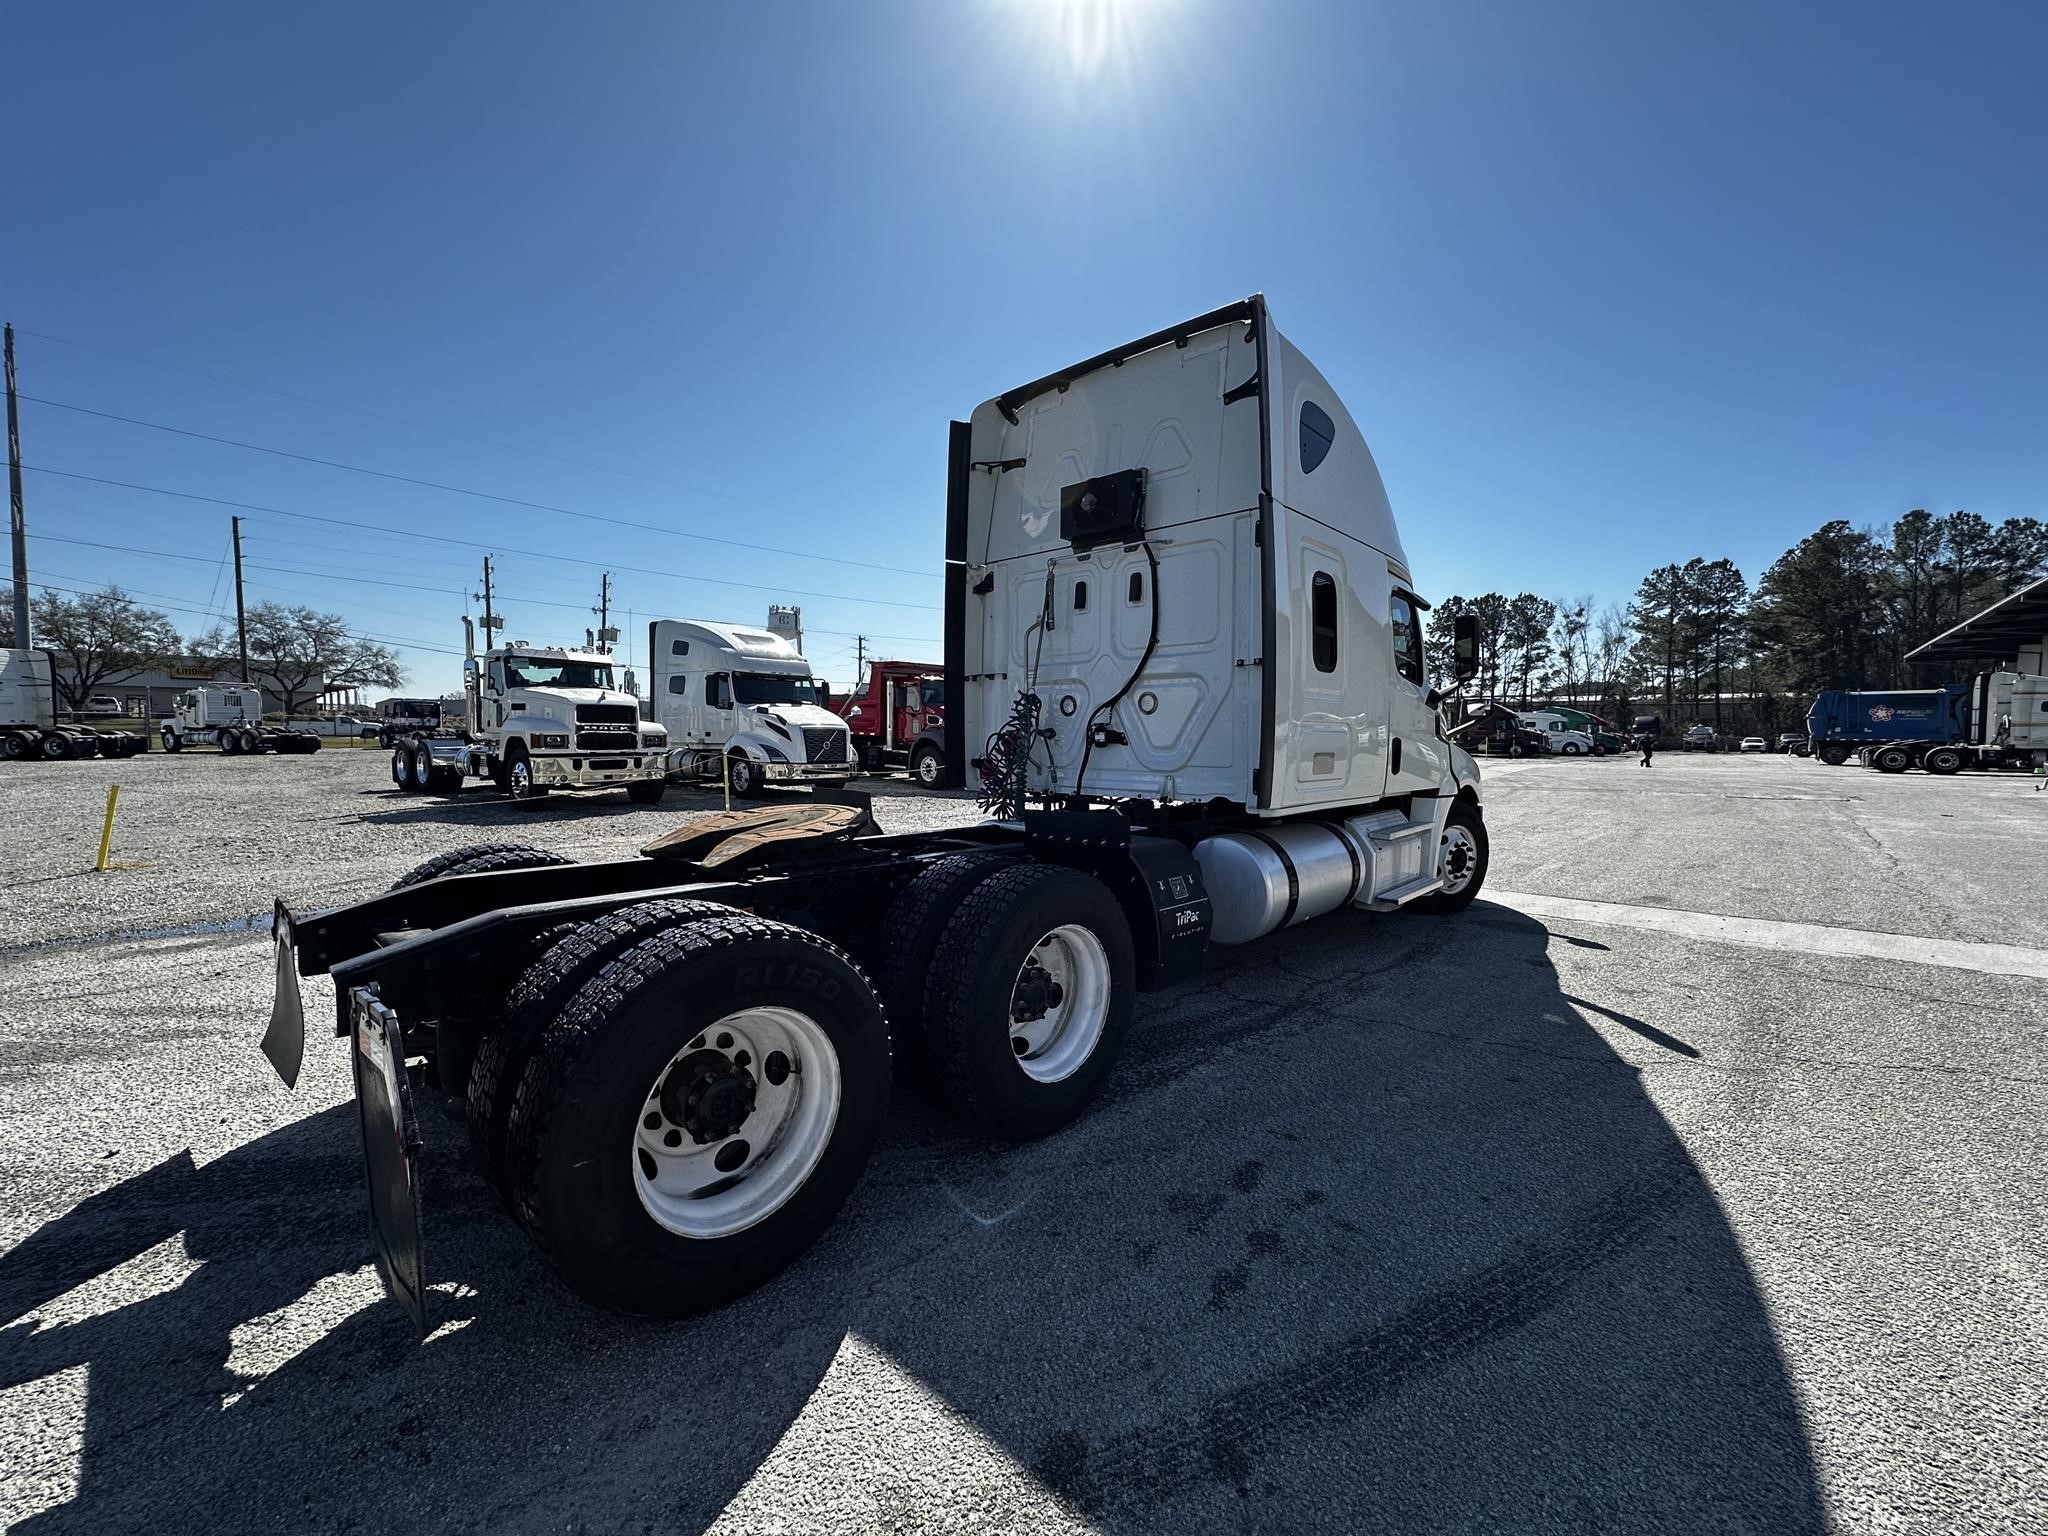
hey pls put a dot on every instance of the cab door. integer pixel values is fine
(1417, 760)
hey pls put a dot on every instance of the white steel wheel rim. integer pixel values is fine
(1058, 1043)
(520, 776)
(1461, 858)
(928, 769)
(781, 1140)
(742, 773)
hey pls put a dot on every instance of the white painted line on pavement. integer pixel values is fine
(1790, 938)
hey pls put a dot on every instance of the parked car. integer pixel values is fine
(102, 704)
(1754, 744)
(1700, 738)
(1791, 742)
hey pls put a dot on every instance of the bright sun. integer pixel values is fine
(1088, 34)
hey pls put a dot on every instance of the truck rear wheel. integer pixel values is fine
(1891, 759)
(478, 859)
(910, 937)
(229, 742)
(13, 745)
(537, 999)
(1463, 858)
(56, 747)
(699, 1113)
(401, 767)
(1834, 757)
(925, 764)
(1943, 760)
(253, 743)
(1028, 998)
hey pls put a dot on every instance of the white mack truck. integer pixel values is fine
(742, 703)
(1183, 642)
(537, 718)
(230, 718)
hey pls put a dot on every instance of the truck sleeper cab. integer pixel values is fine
(742, 704)
(674, 1065)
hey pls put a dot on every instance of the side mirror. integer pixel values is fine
(1465, 646)
(853, 713)
(1433, 698)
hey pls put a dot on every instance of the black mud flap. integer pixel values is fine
(391, 1149)
(284, 1043)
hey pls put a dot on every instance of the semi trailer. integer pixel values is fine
(231, 719)
(742, 705)
(1185, 650)
(28, 716)
(536, 719)
(1995, 720)
(898, 718)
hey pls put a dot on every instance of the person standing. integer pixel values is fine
(1648, 742)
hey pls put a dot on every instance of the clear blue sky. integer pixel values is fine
(1606, 285)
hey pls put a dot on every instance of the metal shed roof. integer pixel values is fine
(1995, 633)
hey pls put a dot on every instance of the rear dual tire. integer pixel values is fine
(698, 1113)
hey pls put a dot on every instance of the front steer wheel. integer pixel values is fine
(698, 1114)
(1028, 998)
(1462, 855)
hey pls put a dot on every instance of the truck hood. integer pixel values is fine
(798, 717)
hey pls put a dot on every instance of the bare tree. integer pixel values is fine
(299, 651)
(100, 637)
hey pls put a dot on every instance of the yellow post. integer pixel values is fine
(107, 831)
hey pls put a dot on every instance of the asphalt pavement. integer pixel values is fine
(1683, 1183)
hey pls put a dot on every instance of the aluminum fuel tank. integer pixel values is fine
(1260, 881)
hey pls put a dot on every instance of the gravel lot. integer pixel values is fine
(1589, 1209)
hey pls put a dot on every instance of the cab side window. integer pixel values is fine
(497, 677)
(1322, 621)
(1407, 639)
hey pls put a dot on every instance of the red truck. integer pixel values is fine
(898, 718)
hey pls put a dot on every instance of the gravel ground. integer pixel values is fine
(1396, 1224)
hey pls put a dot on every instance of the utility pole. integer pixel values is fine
(860, 660)
(491, 620)
(241, 615)
(603, 610)
(18, 518)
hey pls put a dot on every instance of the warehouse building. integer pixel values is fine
(2010, 635)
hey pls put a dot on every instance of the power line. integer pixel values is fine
(463, 490)
(437, 538)
(399, 421)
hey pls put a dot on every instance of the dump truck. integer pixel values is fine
(898, 718)
(535, 719)
(1183, 640)
(230, 718)
(28, 716)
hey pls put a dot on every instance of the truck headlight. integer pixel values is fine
(775, 754)
(656, 740)
(551, 741)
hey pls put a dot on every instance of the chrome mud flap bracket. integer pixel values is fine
(391, 1149)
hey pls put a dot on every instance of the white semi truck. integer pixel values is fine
(536, 719)
(230, 718)
(28, 716)
(1183, 649)
(743, 703)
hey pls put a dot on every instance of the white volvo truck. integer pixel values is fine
(1184, 650)
(743, 703)
(538, 718)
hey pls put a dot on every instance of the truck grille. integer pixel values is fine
(824, 744)
(608, 714)
(606, 738)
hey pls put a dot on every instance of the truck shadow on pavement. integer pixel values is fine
(1372, 1231)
